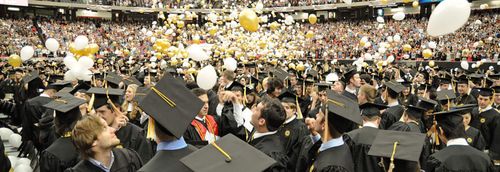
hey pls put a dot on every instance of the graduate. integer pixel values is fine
(203, 129)
(458, 155)
(496, 97)
(360, 140)
(62, 154)
(463, 92)
(410, 121)
(293, 130)
(484, 117)
(353, 82)
(131, 136)
(172, 107)
(394, 111)
(329, 152)
(472, 135)
(96, 142)
(232, 115)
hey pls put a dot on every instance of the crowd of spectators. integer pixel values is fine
(478, 39)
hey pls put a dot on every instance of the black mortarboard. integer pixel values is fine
(462, 79)
(476, 78)
(415, 111)
(80, 86)
(445, 95)
(308, 81)
(343, 106)
(56, 78)
(487, 92)
(228, 154)
(127, 80)
(445, 80)
(496, 89)
(394, 86)
(103, 95)
(65, 104)
(371, 109)
(397, 144)
(467, 108)
(494, 76)
(347, 76)
(59, 85)
(280, 74)
(113, 78)
(30, 77)
(424, 87)
(426, 103)
(140, 93)
(449, 119)
(289, 97)
(64, 92)
(323, 86)
(236, 86)
(312, 73)
(171, 105)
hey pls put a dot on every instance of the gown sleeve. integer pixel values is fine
(281, 162)
(143, 147)
(333, 169)
(479, 142)
(432, 164)
(5, 165)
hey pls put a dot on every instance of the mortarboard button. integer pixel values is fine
(171, 104)
(228, 154)
(398, 145)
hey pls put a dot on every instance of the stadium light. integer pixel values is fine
(13, 9)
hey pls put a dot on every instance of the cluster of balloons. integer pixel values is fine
(18, 164)
(78, 69)
(81, 47)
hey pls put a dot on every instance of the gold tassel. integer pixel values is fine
(244, 96)
(391, 165)
(327, 130)
(91, 103)
(228, 157)
(150, 134)
(299, 111)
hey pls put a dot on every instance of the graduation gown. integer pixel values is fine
(459, 158)
(465, 99)
(272, 146)
(475, 139)
(335, 159)
(495, 144)
(5, 165)
(47, 130)
(59, 156)
(390, 116)
(360, 142)
(350, 95)
(126, 160)
(407, 127)
(34, 110)
(132, 137)
(486, 122)
(409, 100)
(195, 135)
(292, 134)
(168, 160)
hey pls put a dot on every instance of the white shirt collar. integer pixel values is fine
(395, 103)
(350, 90)
(336, 142)
(229, 84)
(485, 109)
(457, 141)
(257, 134)
(369, 124)
(290, 120)
(198, 118)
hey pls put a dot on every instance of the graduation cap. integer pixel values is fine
(487, 92)
(59, 85)
(140, 93)
(55, 78)
(343, 106)
(322, 86)
(496, 89)
(228, 154)
(102, 96)
(348, 75)
(445, 95)
(398, 145)
(312, 73)
(371, 109)
(171, 105)
(494, 76)
(449, 119)
(308, 80)
(30, 76)
(415, 111)
(462, 79)
(394, 86)
(116, 79)
(64, 92)
(426, 103)
(65, 104)
(467, 108)
(280, 74)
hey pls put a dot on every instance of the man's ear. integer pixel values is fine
(94, 143)
(262, 122)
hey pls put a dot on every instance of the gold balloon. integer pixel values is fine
(212, 31)
(274, 25)
(300, 67)
(274, 62)
(406, 1)
(249, 20)
(406, 47)
(126, 52)
(72, 48)
(427, 53)
(309, 34)
(362, 43)
(180, 24)
(432, 63)
(415, 4)
(313, 19)
(262, 44)
(170, 54)
(14, 60)
(100, 61)
(191, 71)
(291, 66)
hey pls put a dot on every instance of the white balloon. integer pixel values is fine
(69, 61)
(398, 16)
(390, 59)
(207, 77)
(332, 77)
(289, 20)
(68, 76)
(432, 45)
(197, 53)
(153, 39)
(448, 17)
(476, 44)
(86, 75)
(364, 39)
(498, 63)
(154, 22)
(149, 33)
(52, 44)
(397, 38)
(230, 64)
(23, 168)
(85, 62)
(389, 39)
(15, 140)
(21, 161)
(478, 22)
(13, 160)
(5, 133)
(368, 56)
(474, 66)
(368, 45)
(380, 19)
(465, 65)
(382, 50)
(259, 7)
(81, 42)
(27, 52)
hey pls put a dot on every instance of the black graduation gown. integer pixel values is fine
(227, 124)
(292, 134)
(360, 141)
(126, 160)
(475, 139)
(132, 137)
(408, 127)
(390, 116)
(59, 156)
(459, 158)
(409, 100)
(5, 165)
(379, 100)
(192, 137)
(495, 144)
(272, 146)
(34, 110)
(465, 99)
(486, 122)
(350, 95)
(47, 130)
(338, 159)
(168, 160)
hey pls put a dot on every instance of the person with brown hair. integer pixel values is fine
(96, 142)
(367, 94)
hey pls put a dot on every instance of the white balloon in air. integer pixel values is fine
(448, 17)
(207, 77)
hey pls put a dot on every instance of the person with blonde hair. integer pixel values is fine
(367, 94)
(130, 105)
